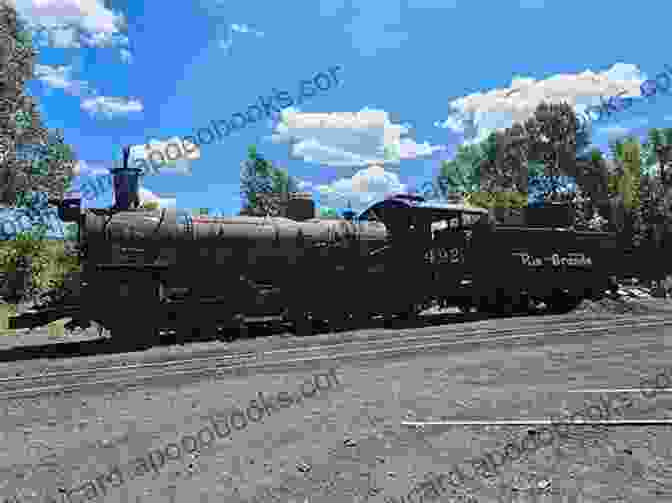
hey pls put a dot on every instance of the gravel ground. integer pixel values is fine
(350, 439)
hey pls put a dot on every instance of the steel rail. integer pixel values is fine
(219, 365)
(436, 332)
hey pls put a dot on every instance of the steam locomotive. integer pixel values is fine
(148, 270)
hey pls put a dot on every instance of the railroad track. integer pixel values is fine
(377, 347)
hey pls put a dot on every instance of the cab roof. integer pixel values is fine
(420, 206)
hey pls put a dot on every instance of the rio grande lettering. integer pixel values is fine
(573, 259)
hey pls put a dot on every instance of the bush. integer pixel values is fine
(51, 261)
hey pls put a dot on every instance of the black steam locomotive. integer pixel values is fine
(144, 271)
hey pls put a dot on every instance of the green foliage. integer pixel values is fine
(329, 213)
(34, 158)
(25, 40)
(461, 174)
(535, 169)
(27, 244)
(150, 205)
(498, 199)
(262, 185)
(553, 136)
(71, 231)
(629, 185)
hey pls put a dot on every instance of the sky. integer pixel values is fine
(417, 78)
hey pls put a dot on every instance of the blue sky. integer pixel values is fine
(117, 72)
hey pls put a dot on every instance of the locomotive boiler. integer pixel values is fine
(148, 270)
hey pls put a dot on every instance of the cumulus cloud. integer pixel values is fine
(347, 139)
(110, 106)
(478, 114)
(364, 188)
(91, 15)
(60, 77)
(179, 166)
(73, 24)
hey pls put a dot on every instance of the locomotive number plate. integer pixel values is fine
(444, 255)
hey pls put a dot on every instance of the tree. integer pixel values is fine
(31, 158)
(461, 174)
(264, 187)
(498, 162)
(554, 137)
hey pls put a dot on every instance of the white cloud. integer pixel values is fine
(65, 37)
(347, 139)
(364, 188)
(477, 114)
(60, 77)
(73, 24)
(110, 106)
(180, 166)
(90, 15)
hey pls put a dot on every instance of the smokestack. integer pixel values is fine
(126, 193)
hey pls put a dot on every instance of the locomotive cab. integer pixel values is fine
(435, 238)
